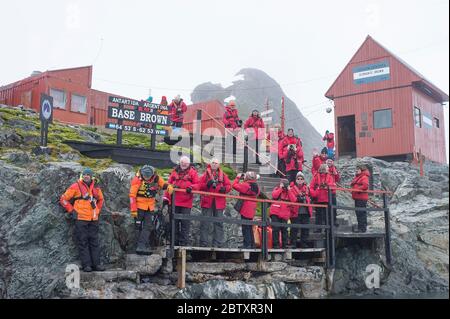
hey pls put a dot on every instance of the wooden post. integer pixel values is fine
(119, 132)
(181, 268)
(421, 159)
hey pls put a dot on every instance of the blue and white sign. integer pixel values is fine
(371, 73)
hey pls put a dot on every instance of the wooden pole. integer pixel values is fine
(181, 268)
(421, 162)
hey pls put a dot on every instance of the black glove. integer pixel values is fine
(189, 190)
(209, 184)
(222, 190)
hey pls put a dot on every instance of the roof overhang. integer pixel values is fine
(431, 91)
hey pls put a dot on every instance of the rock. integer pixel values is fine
(21, 124)
(266, 266)
(99, 279)
(214, 268)
(144, 265)
(18, 158)
(9, 138)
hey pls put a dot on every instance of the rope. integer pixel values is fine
(242, 142)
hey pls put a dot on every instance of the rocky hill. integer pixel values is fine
(251, 92)
(36, 241)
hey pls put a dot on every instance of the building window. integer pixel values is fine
(59, 98)
(436, 122)
(417, 117)
(78, 103)
(382, 118)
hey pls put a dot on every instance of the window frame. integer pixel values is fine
(65, 98)
(384, 127)
(417, 115)
(85, 104)
(436, 123)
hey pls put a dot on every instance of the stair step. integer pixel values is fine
(99, 278)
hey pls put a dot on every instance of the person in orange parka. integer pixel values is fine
(300, 215)
(292, 154)
(183, 176)
(214, 180)
(177, 110)
(332, 170)
(87, 200)
(318, 189)
(280, 213)
(144, 187)
(247, 188)
(254, 126)
(318, 160)
(361, 183)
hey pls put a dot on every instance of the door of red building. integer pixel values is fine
(346, 136)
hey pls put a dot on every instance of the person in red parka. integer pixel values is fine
(254, 126)
(361, 183)
(232, 121)
(275, 139)
(329, 137)
(332, 170)
(318, 189)
(318, 160)
(214, 180)
(292, 154)
(177, 110)
(300, 215)
(280, 213)
(163, 101)
(183, 176)
(246, 185)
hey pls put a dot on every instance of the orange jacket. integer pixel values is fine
(142, 193)
(83, 194)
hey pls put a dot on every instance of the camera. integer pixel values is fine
(292, 147)
(285, 184)
(323, 186)
(214, 185)
(93, 203)
(301, 198)
(239, 123)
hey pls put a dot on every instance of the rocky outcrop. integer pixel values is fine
(36, 241)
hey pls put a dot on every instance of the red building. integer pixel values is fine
(386, 109)
(76, 102)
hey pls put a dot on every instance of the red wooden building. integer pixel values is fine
(76, 102)
(386, 109)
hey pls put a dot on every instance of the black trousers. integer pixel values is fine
(182, 227)
(247, 233)
(292, 175)
(303, 219)
(320, 214)
(361, 216)
(86, 234)
(276, 233)
(147, 225)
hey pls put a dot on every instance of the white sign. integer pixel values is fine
(371, 73)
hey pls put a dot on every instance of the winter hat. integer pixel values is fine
(362, 167)
(147, 171)
(300, 174)
(88, 171)
(324, 151)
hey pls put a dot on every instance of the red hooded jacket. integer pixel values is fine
(275, 147)
(299, 190)
(361, 182)
(183, 179)
(330, 140)
(318, 187)
(293, 163)
(230, 117)
(316, 162)
(332, 170)
(255, 124)
(281, 209)
(222, 180)
(177, 111)
(248, 209)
